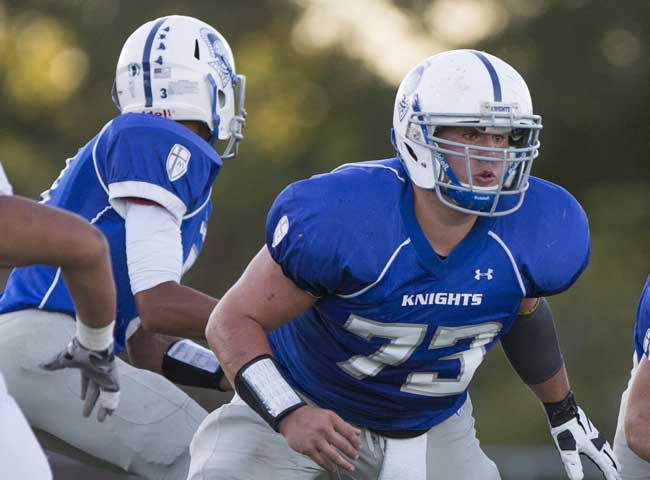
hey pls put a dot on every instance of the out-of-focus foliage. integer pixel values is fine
(321, 81)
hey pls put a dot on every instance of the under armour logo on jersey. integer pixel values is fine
(478, 274)
(177, 162)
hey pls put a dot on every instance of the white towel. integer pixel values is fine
(405, 459)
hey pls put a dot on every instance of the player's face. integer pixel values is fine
(485, 173)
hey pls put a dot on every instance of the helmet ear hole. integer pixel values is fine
(197, 54)
(411, 152)
(221, 97)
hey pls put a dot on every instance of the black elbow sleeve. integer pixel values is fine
(532, 345)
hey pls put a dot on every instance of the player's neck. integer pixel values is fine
(444, 228)
(200, 128)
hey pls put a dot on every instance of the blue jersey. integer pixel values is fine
(135, 155)
(397, 332)
(642, 325)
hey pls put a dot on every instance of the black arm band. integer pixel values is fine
(188, 363)
(562, 411)
(532, 346)
(261, 385)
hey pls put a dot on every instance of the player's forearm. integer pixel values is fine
(532, 345)
(147, 349)
(235, 338)
(93, 292)
(173, 309)
(554, 389)
(637, 433)
(637, 414)
(34, 233)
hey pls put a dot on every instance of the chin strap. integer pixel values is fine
(115, 97)
(216, 120)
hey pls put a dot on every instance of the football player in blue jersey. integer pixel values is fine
(632, 440)
(33, 233)
(353, 335)
(144, 181)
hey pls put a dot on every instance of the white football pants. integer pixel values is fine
(234, 443)
(21, 457)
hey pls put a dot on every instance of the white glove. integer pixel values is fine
(577, 435)
(99, 378)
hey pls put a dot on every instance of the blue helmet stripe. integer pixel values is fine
(146, 67)
(496, 85)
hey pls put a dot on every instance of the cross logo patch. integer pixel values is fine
(478, 274)
(177, 162)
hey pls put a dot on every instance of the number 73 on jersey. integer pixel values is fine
(405, 338)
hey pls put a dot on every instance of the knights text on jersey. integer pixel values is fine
(5, 186)
(397, 333)
(642, 325)
(135, 155)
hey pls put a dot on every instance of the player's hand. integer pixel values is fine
(322, 435)
(99, 378)
(579, 436)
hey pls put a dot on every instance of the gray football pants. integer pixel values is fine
(234, 443)
(149, 433)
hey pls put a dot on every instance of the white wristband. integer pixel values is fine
(97, 339)
(261, 385)
(269, 385)
(193, 354)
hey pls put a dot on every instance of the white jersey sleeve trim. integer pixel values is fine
(369, 165)
(512, 260)
(46, 297)
(5, 186)
(154, 250)
(198, 210)
(117, 192)
(99, 177)
(381, 275)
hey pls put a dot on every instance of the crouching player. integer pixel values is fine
(382, 286)
(145, 181)
(632, 441)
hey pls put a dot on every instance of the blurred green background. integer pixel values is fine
(321, 82)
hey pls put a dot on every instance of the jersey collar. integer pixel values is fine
(466, 250)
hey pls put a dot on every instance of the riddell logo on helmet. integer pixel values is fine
(164, 112)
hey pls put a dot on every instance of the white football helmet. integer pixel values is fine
(461, 88)
(181, 68)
